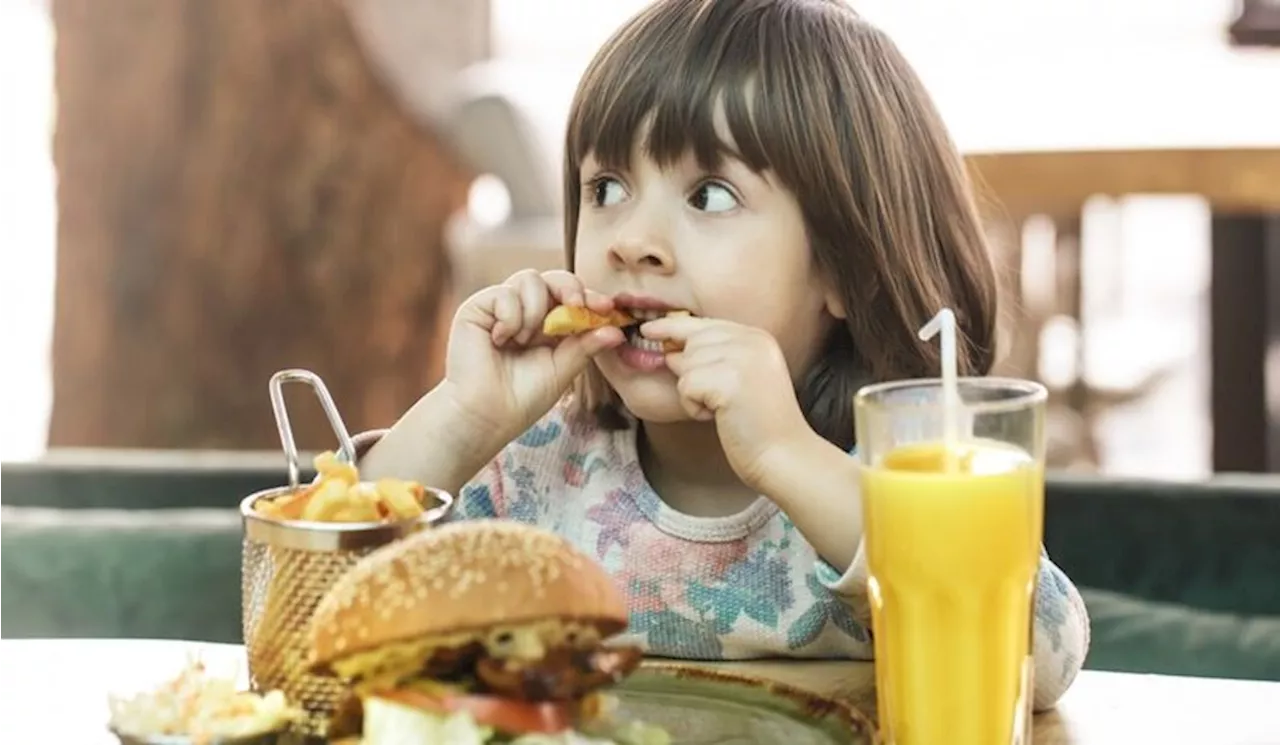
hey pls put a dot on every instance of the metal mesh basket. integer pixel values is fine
(288, 566)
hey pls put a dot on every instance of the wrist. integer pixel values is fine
(815, 484)
(438, 442)
(460, 422)
(791, 466)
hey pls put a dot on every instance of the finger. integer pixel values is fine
(690, 359)
(679, 364)
(678, 328)
(520, 276)
(573, 353)
(704, 350)
(703, 336)
(490, 310)
(565, 287)
(697, 391)
(599, 302)
(535, 301)
(507, 315)
(478, 309)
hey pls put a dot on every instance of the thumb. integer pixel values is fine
(573, 353)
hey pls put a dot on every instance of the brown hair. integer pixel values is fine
(826, 102)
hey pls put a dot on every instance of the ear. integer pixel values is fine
(834, 304)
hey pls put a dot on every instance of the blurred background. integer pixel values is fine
(196, 194)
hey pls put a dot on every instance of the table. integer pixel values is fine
(55, 691)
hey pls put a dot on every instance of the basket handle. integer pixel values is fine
(346, 449)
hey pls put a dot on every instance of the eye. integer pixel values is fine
(606, 191)
(713, 197)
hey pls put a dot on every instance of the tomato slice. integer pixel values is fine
(506, 715)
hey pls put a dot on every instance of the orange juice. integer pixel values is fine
(953, 547)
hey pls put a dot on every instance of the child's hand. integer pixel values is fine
(501, 369)
(735, 375)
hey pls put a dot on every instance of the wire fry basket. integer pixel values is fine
(288, 566)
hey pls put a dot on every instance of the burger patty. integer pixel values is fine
(564, 673)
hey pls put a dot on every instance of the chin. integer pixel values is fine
(651, 411)
(650, 398)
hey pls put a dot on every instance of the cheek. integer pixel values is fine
(768, 298)
(589, 263)
(787, 305)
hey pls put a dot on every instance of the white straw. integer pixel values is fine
(944, 324)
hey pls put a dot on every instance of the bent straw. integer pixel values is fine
(944, 325)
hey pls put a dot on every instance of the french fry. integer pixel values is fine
(329, 467)
(400, 497)
(327, 501)
(291, 507)
(357, 513)
(338, 495)
(567, 320)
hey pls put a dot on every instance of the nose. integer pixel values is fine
(641, 241)
(642, 251)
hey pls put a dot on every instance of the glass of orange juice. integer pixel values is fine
(953, 520)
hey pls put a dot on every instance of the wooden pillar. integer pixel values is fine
(1070, 296)
(238, 192)
(1017, 333)
(1257, 25)
(1245, 322)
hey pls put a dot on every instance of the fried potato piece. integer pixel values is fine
(338, 495)
(326, 501)
(566, 320)
(329, 467)
(403, 498)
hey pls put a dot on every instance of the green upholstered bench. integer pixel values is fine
(159, 574)
(1179, 578)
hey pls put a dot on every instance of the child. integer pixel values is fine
(774, 167)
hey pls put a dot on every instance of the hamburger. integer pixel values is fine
(477, 632)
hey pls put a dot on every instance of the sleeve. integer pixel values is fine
(1060, 640)
(482, 497)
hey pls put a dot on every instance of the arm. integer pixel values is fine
(806, 482)
(1061, 638)
(483, 496)
(435, 443)
(816, 484)
(1059, 643)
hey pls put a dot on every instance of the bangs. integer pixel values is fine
(669, 75)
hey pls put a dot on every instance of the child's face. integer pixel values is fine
(728, 245)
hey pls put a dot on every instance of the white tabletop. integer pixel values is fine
(55, 691)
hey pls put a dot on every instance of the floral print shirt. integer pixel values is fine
(716, 588)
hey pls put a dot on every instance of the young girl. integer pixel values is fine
(775, 168)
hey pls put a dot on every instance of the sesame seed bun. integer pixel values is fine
(462, 577)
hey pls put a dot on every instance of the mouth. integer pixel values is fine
(632, 332)
(642, 316)
(644, 308)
